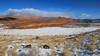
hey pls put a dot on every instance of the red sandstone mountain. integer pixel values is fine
(33, 21)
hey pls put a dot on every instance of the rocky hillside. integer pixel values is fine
(33, 22)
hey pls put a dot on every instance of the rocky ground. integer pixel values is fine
(76, 41)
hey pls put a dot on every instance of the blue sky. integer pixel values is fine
(71, 8)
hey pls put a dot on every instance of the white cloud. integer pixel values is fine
(85, 15)
(33, 12)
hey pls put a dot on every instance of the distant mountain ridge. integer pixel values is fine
(90, 20)
(24, 22)
(33, 21)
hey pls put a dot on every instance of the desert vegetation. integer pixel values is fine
(87, 41)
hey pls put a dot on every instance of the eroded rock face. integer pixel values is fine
(33, 21)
